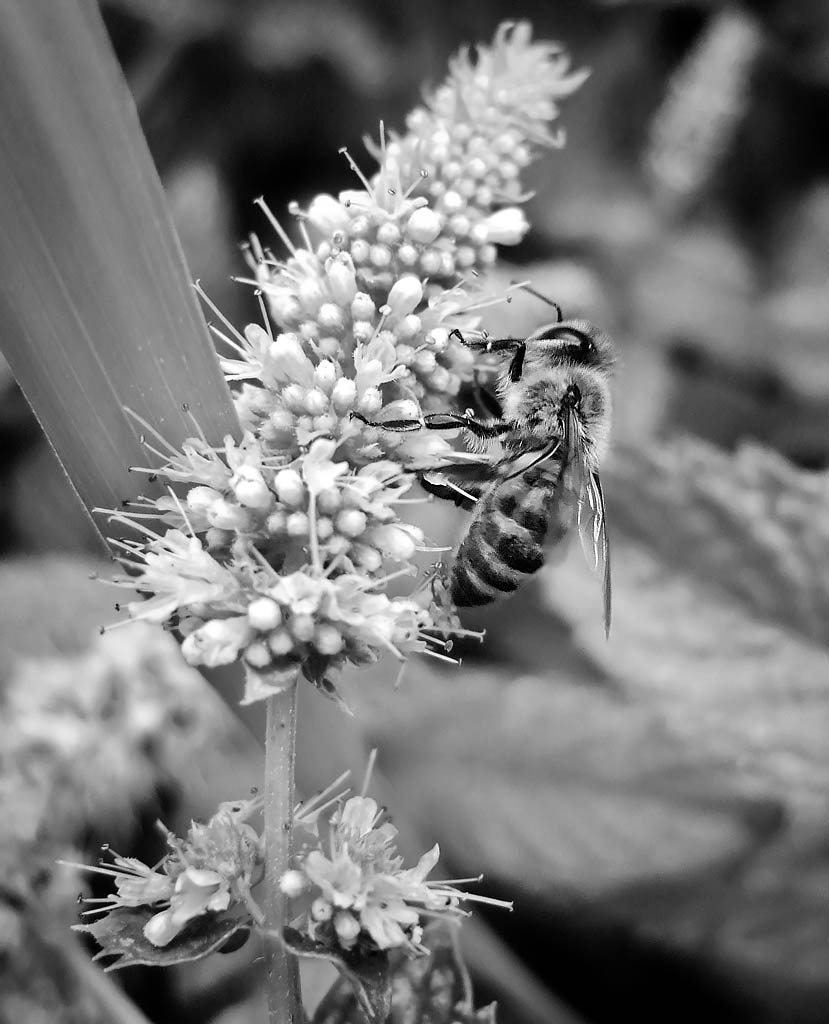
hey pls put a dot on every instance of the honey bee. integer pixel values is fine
(537, 473)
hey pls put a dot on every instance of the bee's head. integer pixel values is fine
(574, 343)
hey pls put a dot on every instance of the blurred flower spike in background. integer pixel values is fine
(281, 549)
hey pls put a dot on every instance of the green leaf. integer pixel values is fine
(430, 989)
(120, 934)
(681, 778)
(97, 311)
(365, 976)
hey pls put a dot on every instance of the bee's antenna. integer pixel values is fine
(544, 298)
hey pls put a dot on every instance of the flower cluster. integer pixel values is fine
(281, 548)
(358, 891)
(211, 870)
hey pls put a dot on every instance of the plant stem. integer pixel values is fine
(284, 1002)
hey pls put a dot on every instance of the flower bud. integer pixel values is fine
(465, 256)
(264, 614)
(328, 639)
(405, 295)
(439, 379)
(362, 331)
(408, 327)
(293, 398)
(360, 250)
(460, 225)
(281, 642)
(380, 256)
(388, 233)
(297, 525)
(316, 402)
(452, 202)
(425, 361)
(327, 215)
(282, 421)
(250, 488)
(288, 361)
(407, 255)
(507, 226)
(321, 910)
(351, 522)
(330, 317)
(362, 307)
(302, 627)
(423, 226)
(344, 395)
(325, 375)
(347, 928)
(258, 655)
(328, 500)
(371, 401)
(341, 278)
(311, 295)
(290, 488)
(430, 262)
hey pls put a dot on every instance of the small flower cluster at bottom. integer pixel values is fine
(359, 896)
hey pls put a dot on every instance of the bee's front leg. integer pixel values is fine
(516, 365)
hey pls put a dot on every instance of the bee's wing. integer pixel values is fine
(593, 534)
(528, 459)
(592, 518)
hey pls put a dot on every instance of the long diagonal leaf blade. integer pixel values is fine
(97, 314)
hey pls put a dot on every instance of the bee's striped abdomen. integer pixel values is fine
(505, 540)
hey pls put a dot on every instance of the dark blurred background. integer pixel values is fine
(688, 214)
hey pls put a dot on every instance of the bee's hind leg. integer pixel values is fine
(441, 421)
(400, 426)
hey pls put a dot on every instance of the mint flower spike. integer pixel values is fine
(281, 549)
(357, 892)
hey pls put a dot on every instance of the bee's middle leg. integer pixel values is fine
(453, 420)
